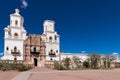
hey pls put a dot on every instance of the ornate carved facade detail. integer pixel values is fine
(34, 50)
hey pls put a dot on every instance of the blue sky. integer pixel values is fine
(83, 25)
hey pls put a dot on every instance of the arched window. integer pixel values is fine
(50, 38)
(16, 22)
(51, 50)
(7, 48)
(15, 49)
(16, 35)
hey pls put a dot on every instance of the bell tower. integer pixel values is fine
(49, 26)
(15, 34)
(16, 20)
(51, 39)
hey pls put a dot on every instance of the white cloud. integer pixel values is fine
(24, 4)
(1, 53)
(83, 51)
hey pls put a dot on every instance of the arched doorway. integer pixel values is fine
(35, 62)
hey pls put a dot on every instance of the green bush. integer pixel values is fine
(86, 64)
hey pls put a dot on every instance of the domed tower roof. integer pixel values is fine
(17, 14)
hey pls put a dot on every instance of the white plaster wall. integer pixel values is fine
(11, 44)
(6, 34)
(66, 55)
(16, 30)
(53, 37)
(11, 57)
(54, 47)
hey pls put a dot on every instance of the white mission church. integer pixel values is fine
(15, 35)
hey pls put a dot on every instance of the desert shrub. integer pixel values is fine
(56, 65)
(1, 65)
(117, 65)
(86, 64)
(59, 66)
(23, 67)
(6, 65)
(67, 63)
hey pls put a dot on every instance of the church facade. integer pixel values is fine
(36, 49)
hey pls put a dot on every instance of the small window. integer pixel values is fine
(56, 51)
(7, 48)
(16, 34)
(55, 37)
(9, 33)
(16, 22)
(50, 38)
(15, 59)
(51, 59)
(10, 21)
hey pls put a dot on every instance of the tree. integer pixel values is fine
(59, 66)
(67, 63)
(76, 60)
(95, 60)
(108, 59)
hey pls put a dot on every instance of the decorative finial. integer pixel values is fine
(17, 10)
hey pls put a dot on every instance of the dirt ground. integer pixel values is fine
(8, 75)
(78, 75)
(46, 74)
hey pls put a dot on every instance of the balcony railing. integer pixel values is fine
(52, 54)
(15, 52)
(34, 51)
